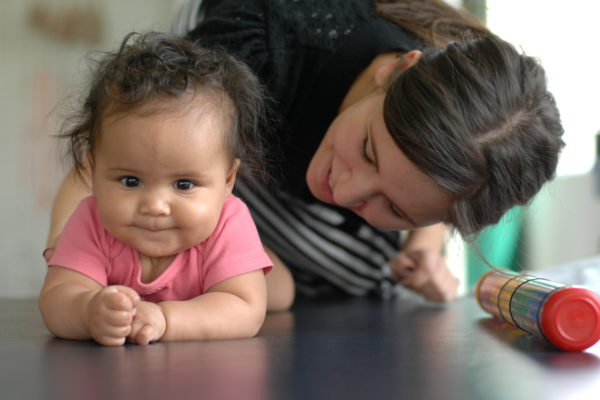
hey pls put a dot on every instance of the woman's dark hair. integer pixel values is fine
(156, 66)
(434, 21)
(477, 118)
(473, 114)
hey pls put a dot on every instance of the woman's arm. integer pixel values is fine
(72, 190)
(431, 237)
(234, 308)
(421, 265)
(280, 285)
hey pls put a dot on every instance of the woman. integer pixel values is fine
(392, 116)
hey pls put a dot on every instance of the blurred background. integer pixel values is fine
(43, 50)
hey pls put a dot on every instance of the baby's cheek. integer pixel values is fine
(198, 227)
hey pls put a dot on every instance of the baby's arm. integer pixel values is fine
(234, 308)
(74, 306)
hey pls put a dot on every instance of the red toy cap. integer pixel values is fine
(570, 318)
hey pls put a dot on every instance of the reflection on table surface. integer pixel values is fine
(339, 348)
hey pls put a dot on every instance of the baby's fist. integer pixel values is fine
(110, 314)
(149, 324)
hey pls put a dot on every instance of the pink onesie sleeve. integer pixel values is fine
(235, 247)
(82, 245)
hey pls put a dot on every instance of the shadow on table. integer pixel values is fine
(538, 348)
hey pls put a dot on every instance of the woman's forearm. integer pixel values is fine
(72, 190)
(430, 237)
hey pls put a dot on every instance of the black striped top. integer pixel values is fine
(307, 53)
(322, 257)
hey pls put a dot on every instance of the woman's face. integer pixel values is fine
(359, 166)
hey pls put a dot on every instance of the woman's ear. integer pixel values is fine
(231, 175)
(396, 65)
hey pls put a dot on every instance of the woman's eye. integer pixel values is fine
(365, 150)
(130, 181)
(397, 212)
(184, 184)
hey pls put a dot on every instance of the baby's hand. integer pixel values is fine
(110, 313)
(148, 324)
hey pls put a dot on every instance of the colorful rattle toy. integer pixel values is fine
(566, 316)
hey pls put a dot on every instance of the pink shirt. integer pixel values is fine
(234, 248)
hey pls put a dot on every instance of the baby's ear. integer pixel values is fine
(232, 175)
(396, 66)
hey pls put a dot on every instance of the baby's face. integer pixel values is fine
(160, 178)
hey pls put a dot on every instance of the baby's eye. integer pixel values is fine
(184, 184)
(130, 181)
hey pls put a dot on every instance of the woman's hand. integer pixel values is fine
(47, 254)
(420, 265)
(149, 324)
(426, 272)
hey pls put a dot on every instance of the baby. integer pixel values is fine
(162, 250)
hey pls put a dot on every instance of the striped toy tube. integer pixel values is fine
(566, 316)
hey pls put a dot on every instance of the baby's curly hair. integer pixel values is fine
(156, 66)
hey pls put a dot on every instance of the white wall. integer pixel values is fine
(563, 223)
(37, 71)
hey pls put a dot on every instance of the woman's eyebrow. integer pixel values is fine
(373, 144)
(373, 147)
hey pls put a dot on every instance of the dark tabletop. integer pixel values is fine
(327, 349)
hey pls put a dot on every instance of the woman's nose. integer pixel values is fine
(155, 202)
(353, 189)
